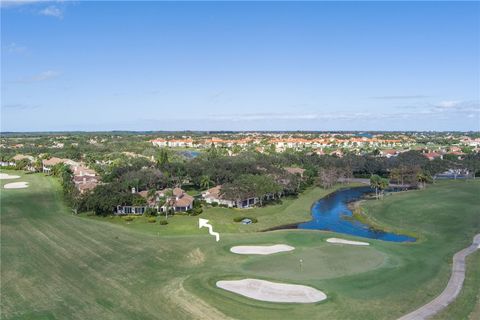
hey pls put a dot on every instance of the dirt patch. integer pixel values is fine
(196, 257)
(189, 304)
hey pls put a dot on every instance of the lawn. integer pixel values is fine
(56, 265)
(467, 305)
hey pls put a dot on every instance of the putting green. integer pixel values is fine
(322, 262)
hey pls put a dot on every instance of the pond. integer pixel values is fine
(332, 213)
(190, 154)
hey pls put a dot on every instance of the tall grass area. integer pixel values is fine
(56, 265)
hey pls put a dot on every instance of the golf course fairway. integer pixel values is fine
(56, 265)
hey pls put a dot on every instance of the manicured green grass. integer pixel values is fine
(56, 265)
(321, 261)
(467, 305)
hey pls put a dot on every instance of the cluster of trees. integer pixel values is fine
(249, 174)
(253, 186)
(379, 184)
(65, 175)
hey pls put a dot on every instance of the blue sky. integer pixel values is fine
(240, 66)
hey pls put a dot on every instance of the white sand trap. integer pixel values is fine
(344, 241)
(16, 185)
(272, 291)
(6, 176)
(261, 249)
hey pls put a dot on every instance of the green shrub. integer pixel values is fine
(152, 220)
(151, 212)
(196, 211)
(199, 203)
(214, 204)
(163, 222)
(128, 218)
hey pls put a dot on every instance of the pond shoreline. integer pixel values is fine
(338, 212)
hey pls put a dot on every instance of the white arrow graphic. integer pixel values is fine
(204, 223)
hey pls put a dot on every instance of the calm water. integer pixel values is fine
(190, 154)
(329, 213)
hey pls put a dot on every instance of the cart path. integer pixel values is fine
(452, 289)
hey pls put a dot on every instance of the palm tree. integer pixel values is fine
(384, 183)
(375, 182)
(205, 182)
(168, 200)
(422, 178)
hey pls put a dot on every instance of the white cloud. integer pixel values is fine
(19, 106)
(14, 48)
(418, 96)
(42, 76)
(448, 104)
(16, 3)
(52, 11)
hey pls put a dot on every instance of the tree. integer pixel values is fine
(383, 185)
(251, 186)
(472, 163)
(38, 165)
(162, 158)
(106, 197)
(376, 183)
(327, 177)
(423, 178)
(168, 202)
(236, 149)
(205, 182)
(150, 212)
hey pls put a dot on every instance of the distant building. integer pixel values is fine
(432, 155)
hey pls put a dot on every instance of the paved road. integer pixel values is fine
(452, 289)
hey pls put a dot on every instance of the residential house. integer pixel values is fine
(159, 142)
(49, 163)
(389, 153)
(432, 155)
(180, 201)
(214, 195)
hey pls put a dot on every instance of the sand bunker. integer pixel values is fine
(272, 291)
(16, 185)
(261, 249)
(6, 176)
(344, 241)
